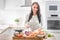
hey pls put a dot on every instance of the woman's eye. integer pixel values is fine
(36, 7)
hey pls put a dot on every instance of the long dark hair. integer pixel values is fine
(38, 12)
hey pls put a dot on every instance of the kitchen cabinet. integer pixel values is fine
(2, 4)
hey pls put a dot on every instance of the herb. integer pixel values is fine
(16, 20)
(50, 35)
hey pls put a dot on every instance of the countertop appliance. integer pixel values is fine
(53, 16)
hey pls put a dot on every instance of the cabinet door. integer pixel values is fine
(2, 4)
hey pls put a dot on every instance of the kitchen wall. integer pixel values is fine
(12, 10)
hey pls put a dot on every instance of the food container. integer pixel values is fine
(40, 35)
(18, 33)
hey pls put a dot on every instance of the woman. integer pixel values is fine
(33, 20)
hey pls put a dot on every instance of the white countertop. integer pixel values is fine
(3, 27)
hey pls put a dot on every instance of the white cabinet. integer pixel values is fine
(2, 4)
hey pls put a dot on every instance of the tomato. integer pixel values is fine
(19, 35)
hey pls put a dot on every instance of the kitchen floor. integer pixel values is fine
(8, 34)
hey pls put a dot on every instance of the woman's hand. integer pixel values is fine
(40, 31)
(27, 25)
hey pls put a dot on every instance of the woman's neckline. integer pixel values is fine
(34, 15)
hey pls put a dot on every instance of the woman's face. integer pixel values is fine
(35, 8)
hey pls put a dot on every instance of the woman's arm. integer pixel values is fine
(26, 22)
(26, 19)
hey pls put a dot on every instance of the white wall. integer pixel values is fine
(12, 4)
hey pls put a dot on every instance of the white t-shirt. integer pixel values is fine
(34, 22)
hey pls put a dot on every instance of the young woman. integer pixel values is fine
(33, 20)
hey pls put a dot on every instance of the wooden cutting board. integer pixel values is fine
(27, 38)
